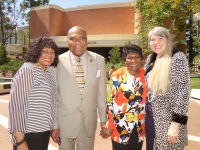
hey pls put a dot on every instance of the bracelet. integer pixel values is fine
(19, 143)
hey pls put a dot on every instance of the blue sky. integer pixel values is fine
(76, 3)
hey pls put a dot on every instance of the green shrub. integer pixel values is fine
(3, 58)
(11, 65)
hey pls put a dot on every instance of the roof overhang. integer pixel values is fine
(85, 7)
(106, 40)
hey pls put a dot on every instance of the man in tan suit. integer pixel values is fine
(76, 119)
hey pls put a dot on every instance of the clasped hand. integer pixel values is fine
(106, 132)
(55, 135)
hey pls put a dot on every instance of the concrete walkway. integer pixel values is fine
(105, 144)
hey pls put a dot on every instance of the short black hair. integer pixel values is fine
(35, 48)
(131, 48)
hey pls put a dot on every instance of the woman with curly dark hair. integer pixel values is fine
(32, 104)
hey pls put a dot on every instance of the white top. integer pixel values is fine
(32, 105)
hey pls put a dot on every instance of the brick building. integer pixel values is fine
(107, 25)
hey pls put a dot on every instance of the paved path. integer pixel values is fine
(105, 144)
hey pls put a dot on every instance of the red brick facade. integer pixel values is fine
(51, 21)
(106, 25)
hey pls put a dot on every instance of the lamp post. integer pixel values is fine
(1, 27)
(196, 19)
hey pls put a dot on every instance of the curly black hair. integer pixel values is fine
(36, 47)
(131, 48)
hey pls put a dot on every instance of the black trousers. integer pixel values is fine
(150, 129)
(37, 141)
(133, 143)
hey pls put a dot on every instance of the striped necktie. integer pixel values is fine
(79, 73)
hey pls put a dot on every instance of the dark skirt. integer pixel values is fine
(133, 143)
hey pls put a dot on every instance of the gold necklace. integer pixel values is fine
(40, 67)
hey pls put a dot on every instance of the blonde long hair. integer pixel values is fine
(159, 77)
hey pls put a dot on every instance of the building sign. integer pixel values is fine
(92, 42)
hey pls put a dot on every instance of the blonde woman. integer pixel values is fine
(168, 79)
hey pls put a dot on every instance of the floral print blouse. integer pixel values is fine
(126, 99)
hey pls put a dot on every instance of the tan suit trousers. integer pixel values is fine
(82, 142)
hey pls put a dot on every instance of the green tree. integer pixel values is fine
(13, 14)
(3, 58)
(115, 55)
(28, 4)
(164, 13)
(114, 59)
(32, 3)
(193, 41)
(11, 17)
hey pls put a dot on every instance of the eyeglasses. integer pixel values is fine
(80, 38)
(133, 58)
(46, 52)
(159, 40)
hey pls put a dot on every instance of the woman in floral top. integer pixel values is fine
(126, 102)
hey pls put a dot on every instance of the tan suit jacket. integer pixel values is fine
(74, 109)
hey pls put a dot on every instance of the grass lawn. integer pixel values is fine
(194, 83)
